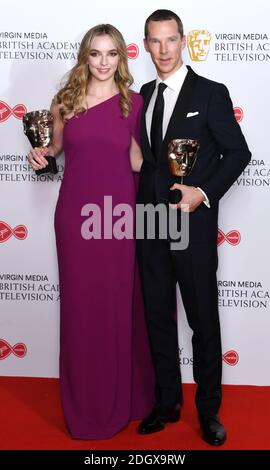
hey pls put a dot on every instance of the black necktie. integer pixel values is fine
(157, 121)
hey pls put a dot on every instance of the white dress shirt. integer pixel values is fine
(174, 84)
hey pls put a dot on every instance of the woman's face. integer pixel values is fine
(103, 58)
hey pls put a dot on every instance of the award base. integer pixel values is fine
(50, 168)
(175, 196)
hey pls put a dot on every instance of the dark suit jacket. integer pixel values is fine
(222, 156)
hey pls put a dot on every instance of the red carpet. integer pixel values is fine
(31, 418)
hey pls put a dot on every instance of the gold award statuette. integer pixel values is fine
(182, 155)
(38, 127)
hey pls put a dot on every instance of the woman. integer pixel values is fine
(105, 367)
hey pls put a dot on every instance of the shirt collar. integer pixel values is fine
(175, 81)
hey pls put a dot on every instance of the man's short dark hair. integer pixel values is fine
(164, 15)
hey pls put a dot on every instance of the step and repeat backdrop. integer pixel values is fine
(228, 42)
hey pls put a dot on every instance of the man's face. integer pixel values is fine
(165, 46)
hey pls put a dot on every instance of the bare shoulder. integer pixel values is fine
(55, 109)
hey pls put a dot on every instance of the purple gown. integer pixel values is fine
(106, 373)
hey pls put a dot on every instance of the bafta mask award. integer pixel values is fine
(182, 155)
(38, 127)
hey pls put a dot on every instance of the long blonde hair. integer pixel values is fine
(72, 97)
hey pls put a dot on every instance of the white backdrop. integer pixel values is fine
(36, 50)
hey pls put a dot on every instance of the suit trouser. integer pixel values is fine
(194, 269)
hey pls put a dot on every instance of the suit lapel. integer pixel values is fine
(147, 93)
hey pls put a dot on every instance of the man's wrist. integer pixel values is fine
(206, 200)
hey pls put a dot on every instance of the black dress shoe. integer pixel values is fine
(213, 431)
(155, 422)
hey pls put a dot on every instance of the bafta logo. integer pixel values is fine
(198, 41)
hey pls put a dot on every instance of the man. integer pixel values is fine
(191, 107)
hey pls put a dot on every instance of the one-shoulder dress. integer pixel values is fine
(106, 375)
